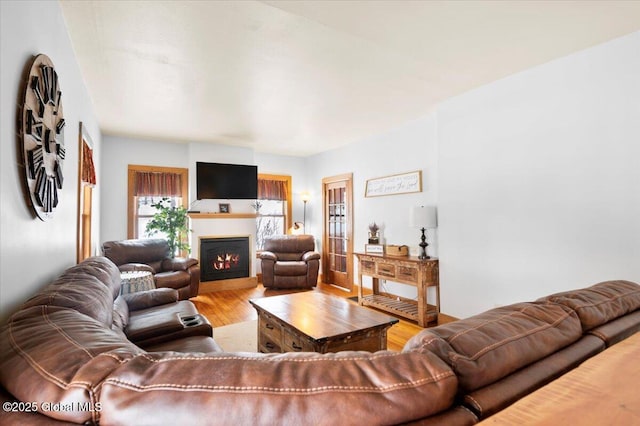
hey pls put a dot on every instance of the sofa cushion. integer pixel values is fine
(487, 347)
(130, 267)
(79, 291)
(51, 354)
(103, 269)
(619, 329)
(149, 251)
(601, 303)
(496, 396)
(290, 268)
(120, 313)
(292, 388)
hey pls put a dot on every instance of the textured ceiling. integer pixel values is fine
(302, 77)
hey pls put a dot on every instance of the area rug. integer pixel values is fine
(239, 337)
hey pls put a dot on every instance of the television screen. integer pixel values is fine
(226, 181)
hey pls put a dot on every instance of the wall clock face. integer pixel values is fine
(43, 137)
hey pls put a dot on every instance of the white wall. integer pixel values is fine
(406, 148)
(296, 167)
(540, 180)
(119, 152)
(33, 252)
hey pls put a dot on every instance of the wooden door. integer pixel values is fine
(86, 183)
(337, 247)
(85, 223)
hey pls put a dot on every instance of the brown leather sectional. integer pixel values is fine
(69, 353)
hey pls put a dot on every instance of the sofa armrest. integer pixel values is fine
(128, 267)
(267, 255)
(147, 299)
(310, 255)
(178, 263)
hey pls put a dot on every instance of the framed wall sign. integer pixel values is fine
(395, 184)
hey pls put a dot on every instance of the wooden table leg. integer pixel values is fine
(422, 302)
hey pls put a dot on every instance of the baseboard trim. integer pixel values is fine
(232, 284)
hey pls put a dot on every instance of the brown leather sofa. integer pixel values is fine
(66, 354)
(290, 261)
(153, 255)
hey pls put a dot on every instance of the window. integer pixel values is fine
(147, 185)
(273, 207)
(145, 211)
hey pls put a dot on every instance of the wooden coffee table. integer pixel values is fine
(316, 322)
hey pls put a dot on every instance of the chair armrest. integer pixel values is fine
(127, 267)
(267, 255)
(178, 263)
(150, 298)
(311, 255)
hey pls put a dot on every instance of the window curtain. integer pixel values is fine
(153, 184)
(88, 172)
(272, 190)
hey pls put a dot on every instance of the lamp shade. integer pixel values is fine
(423, 217)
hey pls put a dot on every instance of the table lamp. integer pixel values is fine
(423, 217)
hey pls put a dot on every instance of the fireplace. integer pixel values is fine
(224, 258)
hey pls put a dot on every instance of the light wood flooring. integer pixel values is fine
(232, 306)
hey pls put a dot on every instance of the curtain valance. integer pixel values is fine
(88, 172)
(157, 184)
(272, 189)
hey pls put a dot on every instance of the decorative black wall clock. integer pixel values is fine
(43, 137)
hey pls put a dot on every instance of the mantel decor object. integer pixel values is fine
(423, 217)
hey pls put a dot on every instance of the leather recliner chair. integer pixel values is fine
(153, 255)
(289, 261)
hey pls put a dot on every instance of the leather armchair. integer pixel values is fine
(289, 261)
(153, 255)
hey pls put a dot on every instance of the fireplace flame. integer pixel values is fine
(225, 261)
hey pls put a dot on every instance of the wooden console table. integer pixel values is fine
(420, 273)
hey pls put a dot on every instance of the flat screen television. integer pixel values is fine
(226, 181)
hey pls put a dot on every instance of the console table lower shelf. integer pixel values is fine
(395, 305)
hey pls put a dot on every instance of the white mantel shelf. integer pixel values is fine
(222, 215)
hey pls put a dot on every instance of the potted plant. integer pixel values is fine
(374, 237)
(171, 221)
